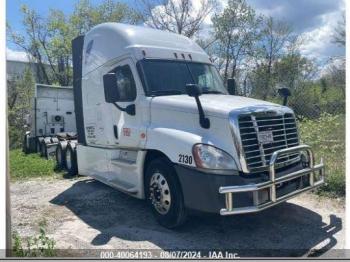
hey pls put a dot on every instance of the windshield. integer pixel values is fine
(163, 77)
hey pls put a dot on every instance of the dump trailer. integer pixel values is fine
(154, 120)
(52, 119)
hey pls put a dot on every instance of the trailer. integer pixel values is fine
(52, 119)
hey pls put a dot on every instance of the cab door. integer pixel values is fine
(129, 128)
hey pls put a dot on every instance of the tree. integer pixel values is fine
(85, 15)
(48, 39)
(334, 76)
(31, 42)
(337, 67)
(339, 36)
(20, 94)
(183, 17)
(236, 30)
(293, 70)
(213, 50)
(276, 40)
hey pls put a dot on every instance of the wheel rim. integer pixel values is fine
(160, 193)
(68, 159)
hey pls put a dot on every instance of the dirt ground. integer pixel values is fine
(83, 214)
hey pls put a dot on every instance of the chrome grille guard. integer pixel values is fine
(273, 181)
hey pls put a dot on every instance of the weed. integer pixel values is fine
(35, 246)
(326, 135)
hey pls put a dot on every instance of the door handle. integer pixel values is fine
(115, 130)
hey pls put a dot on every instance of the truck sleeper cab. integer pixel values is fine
(155, 121)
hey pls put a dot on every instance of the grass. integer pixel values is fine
(24, 166)
(326, 135)
(34, 246)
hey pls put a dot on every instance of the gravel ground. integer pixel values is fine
(83, 214)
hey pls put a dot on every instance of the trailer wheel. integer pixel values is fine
(61, 154)
(71, 160)
(164, 193)
(38, 144)
(26, 145)
(43, 152)
(54, 140)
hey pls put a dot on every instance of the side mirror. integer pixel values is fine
(284, 92)
(231, 86)
(110, 88)
(193, 90)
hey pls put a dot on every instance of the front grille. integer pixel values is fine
(285, 134)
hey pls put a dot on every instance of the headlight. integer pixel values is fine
(206, 156)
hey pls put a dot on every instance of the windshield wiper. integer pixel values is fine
(165, 92)
(213, 92)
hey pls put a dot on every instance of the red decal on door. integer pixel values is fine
(126, 131)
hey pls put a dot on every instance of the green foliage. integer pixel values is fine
(86, 15)
(20, 94)
(35, 246)
(312, 99)
(292, 70)
(48, 39)
(235, 31)
(276, 41)
(326, 135)
(28, 166)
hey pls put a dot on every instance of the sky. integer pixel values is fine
(314, 20)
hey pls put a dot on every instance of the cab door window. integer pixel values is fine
(125, 83)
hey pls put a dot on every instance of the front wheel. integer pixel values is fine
(164, 193)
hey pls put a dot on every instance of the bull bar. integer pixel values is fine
(271, 184)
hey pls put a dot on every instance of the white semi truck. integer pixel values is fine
(155, 121)
(52, 119)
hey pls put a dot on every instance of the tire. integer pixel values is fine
(26, 145)
(54, 140)
(43, 152)
(71, 160)
(164, 194)
(61, 155)
(38, 145)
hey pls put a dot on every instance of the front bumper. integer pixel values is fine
(245, 193)
(269, 188)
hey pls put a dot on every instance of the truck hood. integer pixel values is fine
(213, 104)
